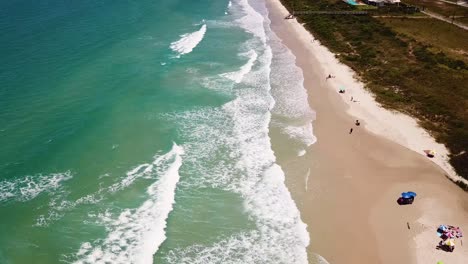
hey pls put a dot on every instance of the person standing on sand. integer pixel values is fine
(351, 130)
(351, 98)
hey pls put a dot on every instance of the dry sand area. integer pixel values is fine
(349, 199)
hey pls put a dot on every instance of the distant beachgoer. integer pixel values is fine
(358, 123)
(351, 130)
(351, 98)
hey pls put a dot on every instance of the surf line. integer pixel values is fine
(136, 234)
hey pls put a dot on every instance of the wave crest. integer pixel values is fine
(136, 234)
(188, 42)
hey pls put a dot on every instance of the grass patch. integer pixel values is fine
(463, 20)
(410, 72)
(439, 7)
(440, 36)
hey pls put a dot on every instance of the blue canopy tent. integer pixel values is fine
(408, 195)
(406, 198)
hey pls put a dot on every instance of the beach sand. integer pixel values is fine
(349, 199)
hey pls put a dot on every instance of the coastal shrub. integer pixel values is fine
(423, 55)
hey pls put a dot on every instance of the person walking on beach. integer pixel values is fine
(351, 130)
(351, 98)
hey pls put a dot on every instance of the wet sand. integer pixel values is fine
(349, 199)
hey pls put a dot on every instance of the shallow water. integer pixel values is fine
(138, 132)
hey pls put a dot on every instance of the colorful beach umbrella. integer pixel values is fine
(440, 262)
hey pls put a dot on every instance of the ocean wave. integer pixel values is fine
(59, 205)
(293, 115)
(237, 135)
(237, 76)
(29, 187)
(136, 234)
(252, 21)
(249, 247)
(188, 42)
(301, 133)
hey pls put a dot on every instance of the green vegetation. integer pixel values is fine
(463, 20)
(439, 7)
(406, 71)
(439, 35)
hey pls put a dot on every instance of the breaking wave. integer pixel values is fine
(135, 235)
(237, 76)
(188, 42)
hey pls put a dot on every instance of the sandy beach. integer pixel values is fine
(349, 199)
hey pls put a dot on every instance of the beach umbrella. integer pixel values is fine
(406, 195)
(440, 262)
(412, 193)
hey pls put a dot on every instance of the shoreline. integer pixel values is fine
(356, 178)
(391, 124)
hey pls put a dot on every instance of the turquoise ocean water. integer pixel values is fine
(140, 132)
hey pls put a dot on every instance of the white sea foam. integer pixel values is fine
(188, 42)
(301, 152)
(246, 165)
(59, 204)
(292, 111)
(237, 76)
(136, 234)
(252, 21)
(229, 6)
(301, 133)
(237, 135)
(250, 247)
(29, 187)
